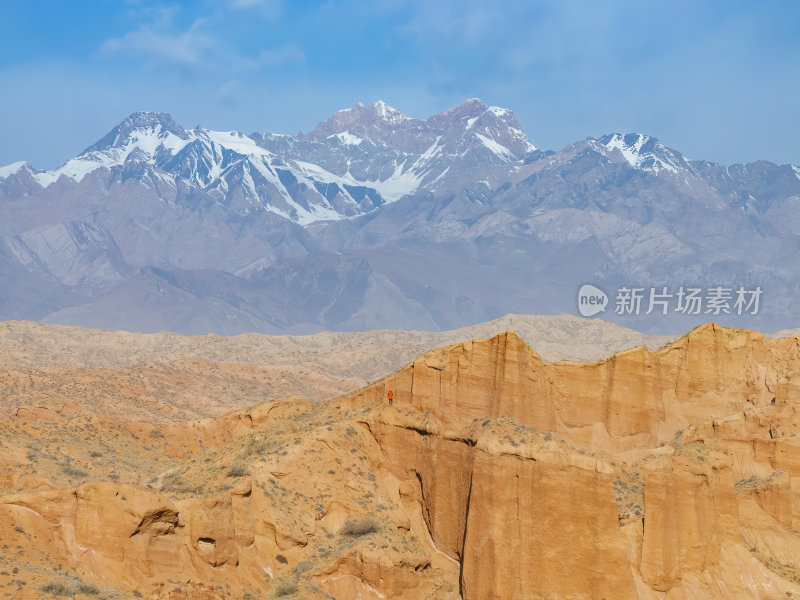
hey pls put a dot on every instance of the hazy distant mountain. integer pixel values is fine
(376, 219)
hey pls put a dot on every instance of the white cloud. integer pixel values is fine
(159, 43)
(187, 48)
(270, 9)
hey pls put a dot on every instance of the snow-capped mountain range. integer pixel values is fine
(378, 219)
(359, 159)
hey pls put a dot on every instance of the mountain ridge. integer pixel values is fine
(156, 139)
(630, 144)
(374, 220)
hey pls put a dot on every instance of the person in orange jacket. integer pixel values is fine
(391, 397)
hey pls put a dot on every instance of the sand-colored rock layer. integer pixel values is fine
(164, 377)
(653, 474)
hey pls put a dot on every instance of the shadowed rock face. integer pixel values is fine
(667, 474)
(503, 507)
(635, 392)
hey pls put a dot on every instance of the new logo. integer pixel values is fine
(591, 300)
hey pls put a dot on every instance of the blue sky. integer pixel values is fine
(718, 80)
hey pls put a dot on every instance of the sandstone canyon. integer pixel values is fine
(666, 473)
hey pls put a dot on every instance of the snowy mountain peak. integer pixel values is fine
(385, 111)
(360, 120)
(468, 109)
(150, 120)
(500, 112)
(493, 127)
(145, 123)
(355, 161)
(13, 168)
(141, 137)
(644, 152)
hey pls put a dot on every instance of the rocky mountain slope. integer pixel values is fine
(377, 219)
(652, 474)
(166, 377)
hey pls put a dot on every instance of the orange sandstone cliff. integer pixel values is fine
(668, 474)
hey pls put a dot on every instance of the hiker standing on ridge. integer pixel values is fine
(391, 397)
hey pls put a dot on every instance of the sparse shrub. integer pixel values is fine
(72, 471)
(87, 588)
(359, 527)
(69, 588)
(236, 471)
(302, 567)
(285, 587)
(57, 588)
(174, 482)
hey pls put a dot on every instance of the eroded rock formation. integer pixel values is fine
(667, 474)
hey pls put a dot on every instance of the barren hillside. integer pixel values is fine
(166, 376)
(652, 474)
